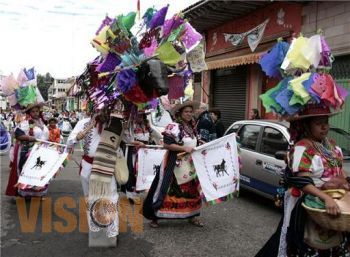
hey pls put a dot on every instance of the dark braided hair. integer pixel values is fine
(299, 129)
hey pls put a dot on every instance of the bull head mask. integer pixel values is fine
(153, 78)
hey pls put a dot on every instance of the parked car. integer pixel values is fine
(259, 142)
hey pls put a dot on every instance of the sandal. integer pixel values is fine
(196, 222)
(154, 224)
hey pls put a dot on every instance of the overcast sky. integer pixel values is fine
(54, 35)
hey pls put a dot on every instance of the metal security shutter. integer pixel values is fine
(229, 93)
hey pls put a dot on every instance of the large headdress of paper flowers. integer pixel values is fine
(22, 92)
(303, 67)
(157, 60)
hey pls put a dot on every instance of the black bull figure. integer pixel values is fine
(153, 78)
(220, 169)
(156, 168)
(39, 163)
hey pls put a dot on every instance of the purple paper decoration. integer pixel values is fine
(126, 80)
(109, 63)
(326, 53)
(187, 76)
(105, 22)
(342, 92)
(191, 37)
(149, 51)
(171, 24)
(30, 73)
(103, 96)
(158, 18)
(153, 103)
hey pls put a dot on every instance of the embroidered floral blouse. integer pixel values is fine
(90, 141)
(173, 130)
(39, 132)
(304, 157)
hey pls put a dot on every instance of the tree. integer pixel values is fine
(43, 83)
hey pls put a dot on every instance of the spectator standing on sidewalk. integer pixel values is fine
(205, 124)
(215, 115)
(254, 114)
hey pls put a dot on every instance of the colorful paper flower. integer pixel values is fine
(126, 80)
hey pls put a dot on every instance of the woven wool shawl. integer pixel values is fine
(104, 161)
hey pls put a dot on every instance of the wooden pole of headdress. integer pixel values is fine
(49, 142)
(148, 146)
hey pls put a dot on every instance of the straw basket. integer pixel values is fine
(341, 223)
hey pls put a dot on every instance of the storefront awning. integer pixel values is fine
(233, 61)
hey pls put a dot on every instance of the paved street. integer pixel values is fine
(238, 227)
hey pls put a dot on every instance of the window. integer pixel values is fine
(248, 136)
(273, 141)
(233, 129)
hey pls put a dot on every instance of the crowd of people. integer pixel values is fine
(314, 163)
(70, 127)
(65, 120)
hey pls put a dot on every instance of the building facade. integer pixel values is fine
(58, 93)
(234, 79)
(333, 18)
(74, 98)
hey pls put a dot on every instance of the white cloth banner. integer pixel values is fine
(149, 162)
(217, 167)
(234, 39)
(42, 164)
(196, 58)
(254, 36)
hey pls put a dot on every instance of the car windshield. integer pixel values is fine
(342, 138)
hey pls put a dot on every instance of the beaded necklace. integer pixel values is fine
(189, 130)
(326, 149)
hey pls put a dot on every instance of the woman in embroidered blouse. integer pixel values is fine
(166, 199)
(317, 157)
(315, 163)
(26, 133)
